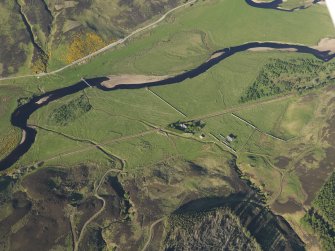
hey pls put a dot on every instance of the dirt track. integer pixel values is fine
(110, 46)
(150, 233)
(76, 242)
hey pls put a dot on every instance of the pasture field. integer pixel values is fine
(225, 125)
(148, 150)
(9, 136)
(223, 27)
(122, 113)
(41, 151)
(267, 117)
(115, 114)
(282, 145)
(222, 86)
(8, 102)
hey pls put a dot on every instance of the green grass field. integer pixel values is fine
(267, 117)
(131, 126)
(9, 136)
(222, 27)
(224, 125)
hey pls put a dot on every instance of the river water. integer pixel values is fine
(21, 115)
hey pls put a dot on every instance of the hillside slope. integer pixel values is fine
(38, 34)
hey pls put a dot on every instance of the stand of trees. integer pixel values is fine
(325, 201)
(321, 217)
(193, 126)
(208, 230)
(70, 111)
(281, 76)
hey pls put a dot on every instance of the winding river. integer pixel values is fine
(275, 4)
(21, 115)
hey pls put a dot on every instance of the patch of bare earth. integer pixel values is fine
(216, 55)
(291, 206)
(257, 49)
(23, 138)
(282, 162)
(260, 1)
(42, 100)
(130, 80)
(326, 44)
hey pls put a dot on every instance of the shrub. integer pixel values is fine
(82, 45)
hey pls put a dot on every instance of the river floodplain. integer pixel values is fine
(279, 141)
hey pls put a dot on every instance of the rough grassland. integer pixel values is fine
(132, 125)
(9, 136)
(297, 116)
(51, 24)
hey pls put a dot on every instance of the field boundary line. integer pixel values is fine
(92, 144)
(229, 147)
(167, 102)
(87, 141)
(247, 140)
(237, 108)
(256, 128)
(243, 120)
